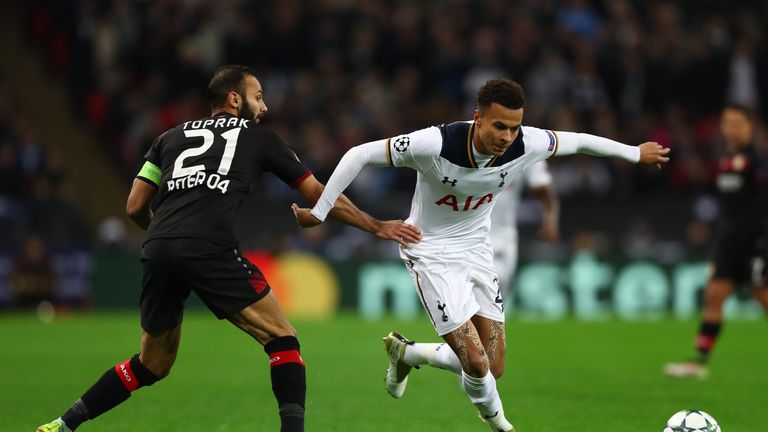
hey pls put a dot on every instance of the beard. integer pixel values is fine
(247, 113)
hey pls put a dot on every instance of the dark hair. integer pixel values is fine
(227, 79)
(504, 92)
(740, 108)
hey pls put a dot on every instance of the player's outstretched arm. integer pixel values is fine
(648, 153)
(347, 212)
(350, 165)
(138, 202)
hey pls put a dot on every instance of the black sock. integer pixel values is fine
(75, 415)
(708, 333)
(113, 388)
(289, 381)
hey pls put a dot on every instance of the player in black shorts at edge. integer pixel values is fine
(740, 252)
(195, 177)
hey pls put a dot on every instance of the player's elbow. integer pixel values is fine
(357, 157)
(361, 154)
(134, 209)
(138, 212)
(137, 204)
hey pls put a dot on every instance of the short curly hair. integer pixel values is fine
(504, 92)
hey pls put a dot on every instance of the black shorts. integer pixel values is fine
(223, 279)
(740, 255)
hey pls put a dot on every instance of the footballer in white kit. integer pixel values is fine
(504, 235)
(453, 266)
(460, 168)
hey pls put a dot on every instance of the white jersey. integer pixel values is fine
(504, 216)
(454, 197)
(452, 205)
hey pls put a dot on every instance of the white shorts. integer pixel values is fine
(455, 287)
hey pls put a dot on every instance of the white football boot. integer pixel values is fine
(687, 369)
(397, 372)
(498, 423)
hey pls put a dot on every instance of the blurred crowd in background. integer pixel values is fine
(44, 246)
(337, 73)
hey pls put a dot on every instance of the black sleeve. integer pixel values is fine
(153, 154)
(277, 157)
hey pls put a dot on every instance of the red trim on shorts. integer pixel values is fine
(297, 182)
(282, 357)
(127, 376)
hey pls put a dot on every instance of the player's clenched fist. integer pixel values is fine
(651, 153)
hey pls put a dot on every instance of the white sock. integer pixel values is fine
(483, 394)
(438, 355)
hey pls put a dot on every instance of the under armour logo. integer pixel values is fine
(452, 182)
(442, 309)
(503, 174)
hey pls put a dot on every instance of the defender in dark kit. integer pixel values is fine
(742, 242)
(195, 177)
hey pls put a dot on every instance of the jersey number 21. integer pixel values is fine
(179, 170)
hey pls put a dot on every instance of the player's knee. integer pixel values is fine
(477, 364)
(713, 299)
(497, 370)
(499, 362)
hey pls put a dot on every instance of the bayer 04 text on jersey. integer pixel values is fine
(213, 181)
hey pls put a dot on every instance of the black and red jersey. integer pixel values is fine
(742, 184)
(206, 168)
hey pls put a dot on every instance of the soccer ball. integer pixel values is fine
(692, 421)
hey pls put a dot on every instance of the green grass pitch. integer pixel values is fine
(562, 376)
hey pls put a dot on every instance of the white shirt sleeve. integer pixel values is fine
(571, 143)
(416, 149)
(409, 150)
(537, 175)
(374, 153)
(540, 144)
